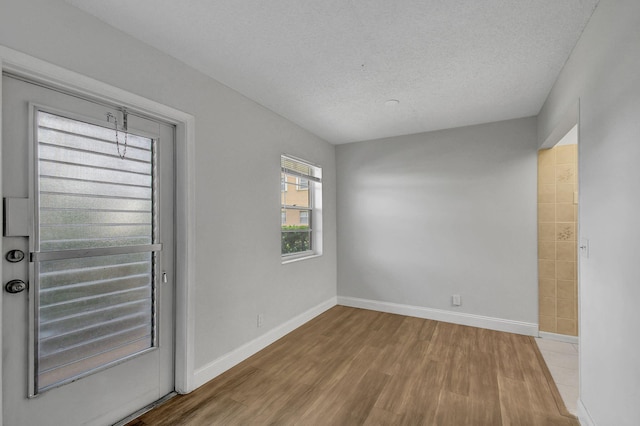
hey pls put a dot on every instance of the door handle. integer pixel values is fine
(15, 286)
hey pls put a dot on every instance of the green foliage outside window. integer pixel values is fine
(295, 239)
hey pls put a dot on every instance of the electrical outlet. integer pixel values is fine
(455, 300)
(260, 320)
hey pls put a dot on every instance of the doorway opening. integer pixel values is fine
(558, 264)
(557, 237)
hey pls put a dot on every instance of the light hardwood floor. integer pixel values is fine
(358, 367)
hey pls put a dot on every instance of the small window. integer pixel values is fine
(301, 217)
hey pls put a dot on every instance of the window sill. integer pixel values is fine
(297, 259)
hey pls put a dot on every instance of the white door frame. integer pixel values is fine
(22, 64)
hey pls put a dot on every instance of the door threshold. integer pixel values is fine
(145, 409)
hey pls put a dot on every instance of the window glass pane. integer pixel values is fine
(304, 217)
(296, 241)
(303, 184)
(294, 196)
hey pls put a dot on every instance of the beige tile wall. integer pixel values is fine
(557, 225)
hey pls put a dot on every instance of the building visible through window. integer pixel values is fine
(302, 184)
(304, 218)
(300, 190)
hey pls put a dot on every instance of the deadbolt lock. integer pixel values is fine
(15, 286)
(14, 256)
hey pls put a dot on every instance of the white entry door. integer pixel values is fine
(88, 259)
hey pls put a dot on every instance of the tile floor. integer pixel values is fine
(562, 360)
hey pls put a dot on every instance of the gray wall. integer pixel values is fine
(424, 216)
(604, 74)
(238, 147)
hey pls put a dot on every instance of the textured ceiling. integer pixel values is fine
(330, 65)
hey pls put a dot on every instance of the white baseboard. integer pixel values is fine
(560, 337)
(499, 324)
(220, 365)
(583, 415)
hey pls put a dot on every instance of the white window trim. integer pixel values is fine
(315, 217)
(24, 65)
(293, 259)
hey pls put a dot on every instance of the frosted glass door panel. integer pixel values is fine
(89, 197)
(93, 308)
(92, 311)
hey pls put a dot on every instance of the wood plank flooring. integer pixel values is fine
(357, 367)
